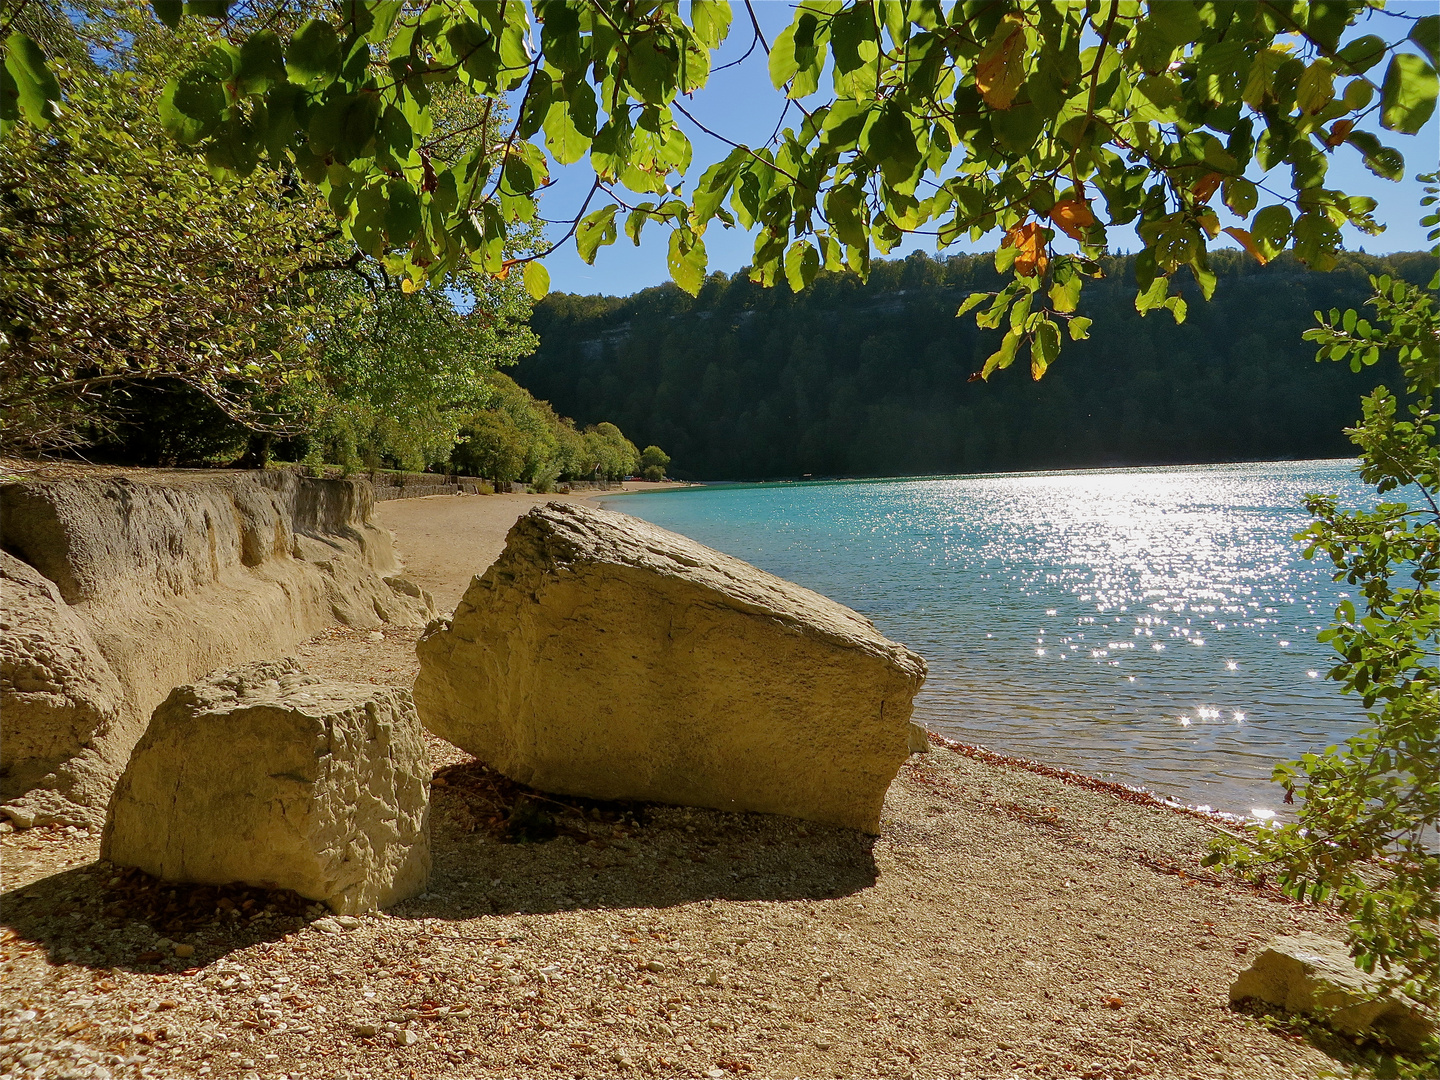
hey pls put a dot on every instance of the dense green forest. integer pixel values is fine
(874, 379)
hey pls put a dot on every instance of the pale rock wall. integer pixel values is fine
(602, 656)
(176, 575)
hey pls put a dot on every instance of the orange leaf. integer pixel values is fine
(1071, 216)
(1339, 131)
(1030, 245)
(1000, 69)
(1206, 185)
(1248, 243)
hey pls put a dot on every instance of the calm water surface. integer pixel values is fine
(1154, 626)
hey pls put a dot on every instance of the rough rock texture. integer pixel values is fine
(269, 776)
(178, 575)
(57, 693)
(1312, 974)
(602, 656)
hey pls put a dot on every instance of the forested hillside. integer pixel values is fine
(875, 379)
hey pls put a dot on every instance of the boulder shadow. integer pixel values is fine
(501, 848)
(102, 916)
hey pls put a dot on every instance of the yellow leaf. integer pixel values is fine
(1001, 66)
(1072, 217)
(1029, 243)
(1206, 185)
(407, 285)
(1248, 243)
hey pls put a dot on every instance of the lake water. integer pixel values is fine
(1152, 626)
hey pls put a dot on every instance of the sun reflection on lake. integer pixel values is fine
(1033, 596)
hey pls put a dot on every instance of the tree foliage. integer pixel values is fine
(156, 308)
(122, 261)
(521, 438)
(1365, 831)
(874, 379)
(1034, 119)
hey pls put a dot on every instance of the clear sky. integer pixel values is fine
(741, 104)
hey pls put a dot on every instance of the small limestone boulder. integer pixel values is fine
(269, 776)
(604, 657)
(1307, 973)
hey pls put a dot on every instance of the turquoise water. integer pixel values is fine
(1153, 626)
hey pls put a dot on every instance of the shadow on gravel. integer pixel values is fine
(104, 917)
(1363, 1057)
(499, 848)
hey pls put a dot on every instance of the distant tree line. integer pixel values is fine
(875, 379)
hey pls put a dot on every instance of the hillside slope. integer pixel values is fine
(873, 379)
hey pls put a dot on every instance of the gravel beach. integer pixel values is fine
(1005, 922)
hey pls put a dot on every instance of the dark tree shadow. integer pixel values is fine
(499, 848)
(1363, 1056)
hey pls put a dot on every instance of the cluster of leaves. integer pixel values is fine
(521, 438)
(1023, 116)
(122, 261)
(1366, 828)
(167, 311)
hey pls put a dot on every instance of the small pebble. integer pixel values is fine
(184, 950)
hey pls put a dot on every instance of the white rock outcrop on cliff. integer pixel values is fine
(602, 656)
(173, 576)
(1308, 973)
(268, 776)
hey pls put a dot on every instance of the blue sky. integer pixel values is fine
(741, 104)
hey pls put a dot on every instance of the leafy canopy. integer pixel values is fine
(1035, 119)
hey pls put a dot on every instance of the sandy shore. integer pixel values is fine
(1004, 923)
(447, 539)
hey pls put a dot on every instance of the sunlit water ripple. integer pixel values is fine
(1153, 626)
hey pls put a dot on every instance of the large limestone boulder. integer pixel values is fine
(173, 575)
(1307, 973)
(58, 696)
(269, 776)
(604, 657)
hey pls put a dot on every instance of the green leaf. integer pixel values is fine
(595, 231)
(169, 12)
(402, 214)
(560, 37)
(1080, 328)
(802, 263)
(1002, 357)
(687, 260)
(9, 101)
(1426, 34)
(191, 106)
(1407, 97)
(1362, 54)
(537, 280)
(1271, 230)
(1240, 195)
(1044, 348)
(36, 90)
(711, 21)
(262, 63)
(974, 300)
(314, 55)
(1383, 161)
(563, 137)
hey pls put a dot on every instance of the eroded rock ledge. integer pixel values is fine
(127, 587)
